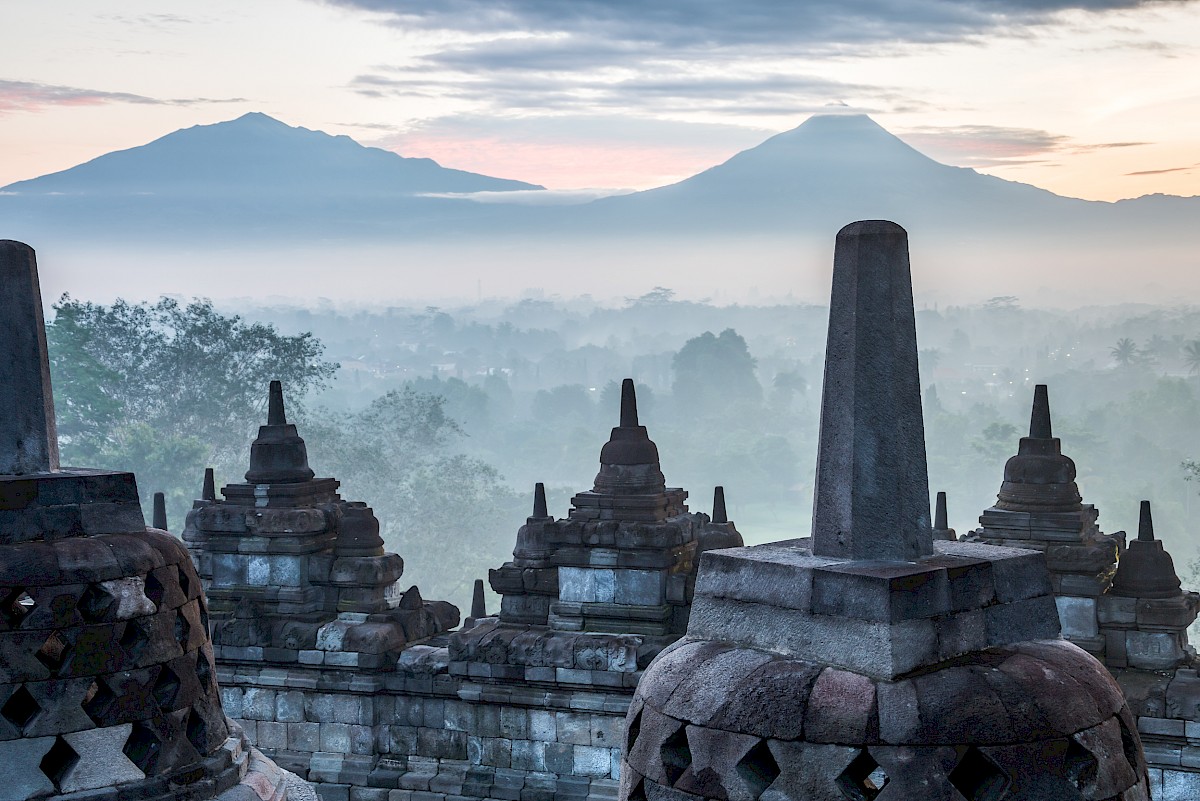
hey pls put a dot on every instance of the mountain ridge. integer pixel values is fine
(255, 146)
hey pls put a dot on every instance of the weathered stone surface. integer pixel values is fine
(872, 486)
(28, 436)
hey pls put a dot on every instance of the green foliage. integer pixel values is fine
(165, 389)
(1125, 352)
(563, 404)
(715, 373)
(399, 456)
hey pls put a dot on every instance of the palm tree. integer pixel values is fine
(1191, 356)
(1125, 352)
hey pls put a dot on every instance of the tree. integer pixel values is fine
(169, 388)
(557, 406)
(714, 372)
(448, 515)
(1125, 352)
(1191, 356)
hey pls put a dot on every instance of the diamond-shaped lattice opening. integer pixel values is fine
(97, 701)
(638, 793)
(166, 689)
(53, 653)
(94, 603)
(154, 590)
(676, 755)
(758, 768)
(1080, 765)
(204, 617)
(135, 640)
(631, 733)
(197, 731)
(20, 708)
(59, 761)
(862, 779)
(1129, 744)
(16, 606)
(183, 630)
(203, 670)
(142, 747)
(978, 778)
(185, 583)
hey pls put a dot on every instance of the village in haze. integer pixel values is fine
(345, 297)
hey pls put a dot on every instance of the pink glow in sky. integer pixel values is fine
(1088, 98)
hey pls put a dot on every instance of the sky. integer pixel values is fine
(1097, 99)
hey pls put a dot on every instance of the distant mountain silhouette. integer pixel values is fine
(255, 179)
(254, 155)
(837, 168)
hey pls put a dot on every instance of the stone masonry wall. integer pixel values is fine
(422, 734)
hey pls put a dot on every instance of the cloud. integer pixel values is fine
(667, 90)
(676, 23)
(993, 146)
(32, 96)
(534, 197)
(1160, 172)
(565, 150)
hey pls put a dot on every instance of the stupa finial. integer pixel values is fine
(275, 413)
(719, 514)
(1145, 523)
(208, 490)
(478, 601)
(1039, 421)
(939, 515)
(629, 413)
(539, 501)
(159, 518)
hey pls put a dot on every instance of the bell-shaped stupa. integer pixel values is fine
(872, 661)
(107, 684)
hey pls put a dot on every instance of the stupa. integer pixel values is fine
(1039, 506)
(870, 661)
(107, 685)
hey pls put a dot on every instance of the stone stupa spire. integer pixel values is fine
(871, 498)
(108, 678)
(871, 662)
(28, 434)
(941, 524)
(1146, 570)
(629, 460)
(279, 455)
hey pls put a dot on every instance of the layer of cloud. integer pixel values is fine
(1166, 170)
(595, 150)
(675, 23)
(669, 90)
(534, 197)
(992, 146)
(32, 96)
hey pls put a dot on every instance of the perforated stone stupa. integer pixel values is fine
(107, 682)
(870, 661)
